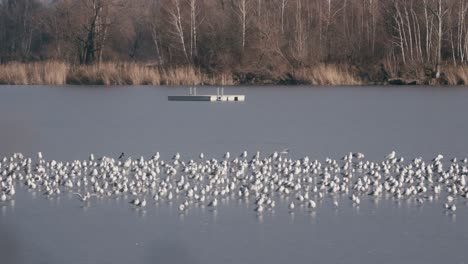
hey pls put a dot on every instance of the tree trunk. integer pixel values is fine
(193, 29)
(243, 10)
(428, 31)
(177, 22)
(283, 8)
(440, 16)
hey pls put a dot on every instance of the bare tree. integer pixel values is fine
(241, 8)
(283, 9)
(176, 21)
(154, 22)
(268, 34)
(462, 30)
(194, 24)
(401, 38)
(333, 9)
(429, 29)
(17, 18)
(88, 22)
(93, 28)
(440, 13)
(300, 34)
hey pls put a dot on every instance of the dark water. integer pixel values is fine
(71, 122)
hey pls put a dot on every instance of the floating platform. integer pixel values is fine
(219, 97)
(208, 98)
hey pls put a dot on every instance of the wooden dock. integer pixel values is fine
(208, 98)
(219, 97)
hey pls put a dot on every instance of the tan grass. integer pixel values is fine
(134, 74)
(52, 72)
(184, 75)
(224, 78)
(142, 75)
(114, 74)
(457, 75)
(325, 74)
(13, 73)
(391, 66)
(58, 73)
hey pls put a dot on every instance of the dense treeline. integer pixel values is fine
(271, 37)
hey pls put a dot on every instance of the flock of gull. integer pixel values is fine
(260, 180)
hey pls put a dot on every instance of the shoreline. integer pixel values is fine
(123, 74)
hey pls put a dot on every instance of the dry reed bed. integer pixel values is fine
(59, 73)
(457, 75)
(114, 74)
(53, 73)
(326, 74)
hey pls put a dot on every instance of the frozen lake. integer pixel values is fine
(68, 123)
